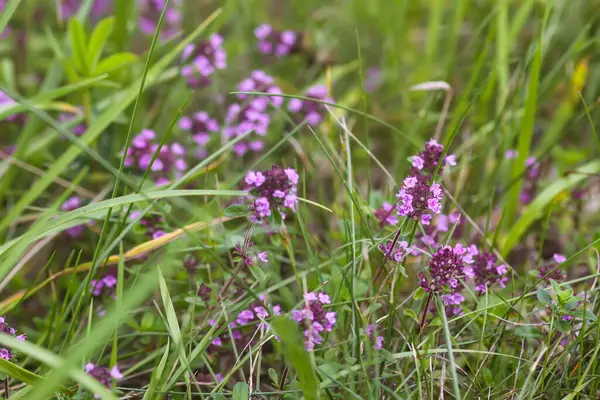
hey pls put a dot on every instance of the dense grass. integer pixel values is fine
(191, 309)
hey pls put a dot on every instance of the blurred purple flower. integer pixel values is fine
(150, 12)
(556, 274)
(104, 286)
(277, 43)
(377, 341)
(487, 273)
(386, 215)
(201, 126)
(311, 111)
(202, 60)
(77, 130)
(6, 353)
(103, 375)
(100, 8)
(169, 163)
(425, 163)
(71, 204)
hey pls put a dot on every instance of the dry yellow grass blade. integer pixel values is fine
(136, 252)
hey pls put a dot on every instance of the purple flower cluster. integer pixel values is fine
(71, 204)
(419, 198)
(251, 114)
(445, 266)
(203, 60)
(277, 43)
(150, 12)
(200, 125)
(102, 286)
(557, 274)
(204, 292)
(5, 353)
(530, 180)
(103, 375)
(386, 215)
(313, 318)
(425, 163)
(169, 162)
(311, 111)
(272, 190)
(254, 312)
(77, 130)
(377, 341)
(68, 8)
(151, 223)
(453, 301)
(487, 273)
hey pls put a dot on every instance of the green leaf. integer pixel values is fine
(273, 376)
(114, 62)
(292, 342)
(436, 322)
(409, 312)
(78, 43)
(563, 326)
(590, 316)
(555, 287)
(236, 210)
(16, 372)
(218, 397)
(419, 294)
(157, 374)
(240, 391)
(544, 296)
(98, 41)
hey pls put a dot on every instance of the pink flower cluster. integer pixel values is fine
(273, 189)
(446, 264)
(247, 257)
(103, 375)
(203, 60)
(309, 110)
(169, 163)
(5, 353)
(251, 114)
(104, 285)
(418, 198)
(313, 318)
(425, 163)
(150, 12)
(398, 253)
(277, 43)
(201, 126)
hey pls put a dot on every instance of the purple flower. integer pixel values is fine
(400, 251)
(376, 340)
(103, 375)
(419, 198)
(150, 12)
(77, 130)
(262, 256)
(313, 319)
(201, 126)
(385, 215)
(273, 189)
(453, 303)
(530, 180)
(71, 204)
(274, 42)
(425, 163)
(311, 111)
(510, 154)
(445, 266)
(5, 102)
(151, 224)
(203, 60)
(204, 292)
(6, 353)
(169, 162)
(103, 286)
(69, 8)
(557, 274)
(487, 273)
